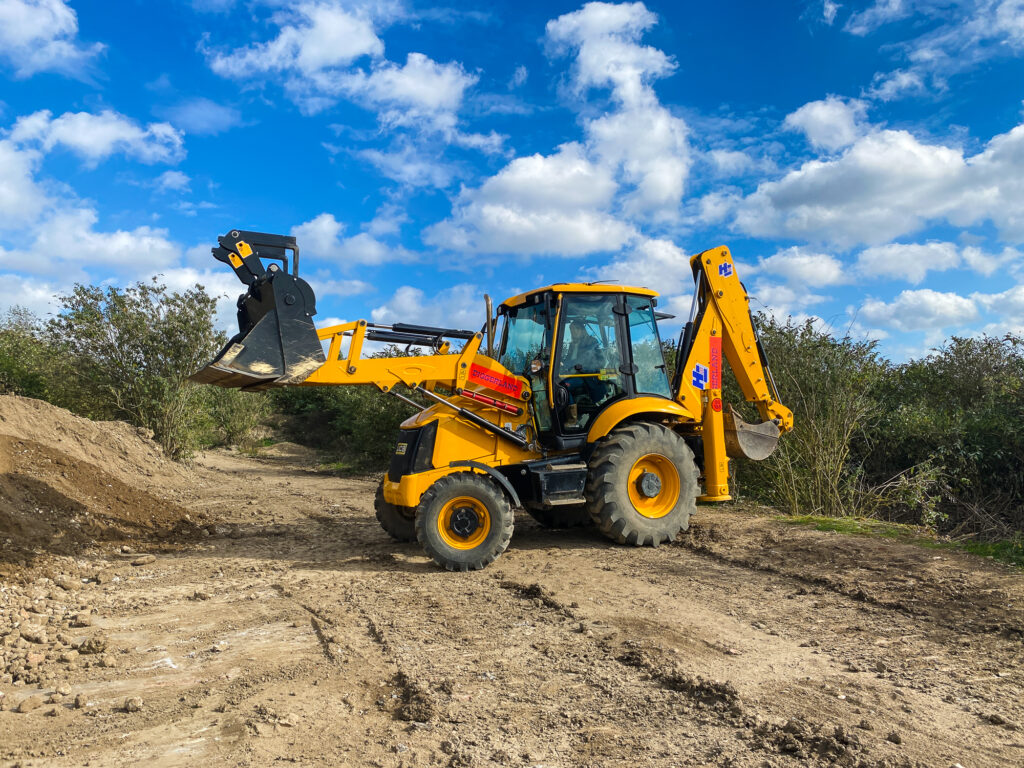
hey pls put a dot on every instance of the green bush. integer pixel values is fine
(132, 350)
(28, 365)
(960, 408)
(358, 424)
(829, 383)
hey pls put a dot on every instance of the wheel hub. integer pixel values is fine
(464, 521)
(648, 484)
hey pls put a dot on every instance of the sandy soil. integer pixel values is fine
(277, 623)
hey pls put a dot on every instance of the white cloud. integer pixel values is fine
(67, 241)
(322, 238)
(460, 306)
(313, 39)
(889, 184)
(829, 8)
(542, 204)
(881, 13)
(21, 198)
(885, 185)
(907, 261)
(33, 294)
(803, 267)
(201, 116)
(957, 37)
(729, 162)
(829, 124)
(518, 77)
(172, 181)
(987, 263)
(408, 165)
(583, 197)
(95, 137)
(605, 41)
(919, 310)
(889, 86)
(782, 300)
(420, 90)
(656, 166)
(40, 36)
(1009, 305)
(604, 37)
(653, 263)
(318, 57)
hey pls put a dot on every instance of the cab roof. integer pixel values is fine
(516, 301)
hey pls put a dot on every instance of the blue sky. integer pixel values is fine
(863, 160)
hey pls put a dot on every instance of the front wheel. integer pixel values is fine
(397, 522)
(464, 522)
(642, 487)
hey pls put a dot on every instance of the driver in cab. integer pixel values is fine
(582, 356)
(584, 353)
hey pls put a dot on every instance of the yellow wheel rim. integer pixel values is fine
(464, 523)
(653, 485)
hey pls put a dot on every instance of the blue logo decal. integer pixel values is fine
(725, 269)
(700, 376)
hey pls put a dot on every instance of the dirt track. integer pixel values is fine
(297, 631)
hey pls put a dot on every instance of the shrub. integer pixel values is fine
(358, 423)
(133, 349)
(960, 408)
(829, 383)
(27, 364)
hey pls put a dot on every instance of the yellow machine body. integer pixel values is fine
(577, 375)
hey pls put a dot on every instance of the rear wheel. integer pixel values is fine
(642, 487)
(464, 521)
(398, 522)
(569, 516)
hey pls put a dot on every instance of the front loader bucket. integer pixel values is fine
(749, 441)
(276, 343)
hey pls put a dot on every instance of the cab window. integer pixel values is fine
(651, 377)
(526, 338)
(588, 366)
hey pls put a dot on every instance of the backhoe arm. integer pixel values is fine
(720, 325)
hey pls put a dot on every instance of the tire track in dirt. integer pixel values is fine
(340, 647)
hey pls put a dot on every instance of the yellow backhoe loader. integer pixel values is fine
(561, 404)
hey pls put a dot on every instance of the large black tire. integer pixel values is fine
(398, 522)
(569, 516)
(633, 509)
(464, 521)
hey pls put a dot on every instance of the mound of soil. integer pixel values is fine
(120, 449)
(67, 483)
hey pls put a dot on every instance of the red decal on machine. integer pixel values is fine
(507, 385)
(715, 362)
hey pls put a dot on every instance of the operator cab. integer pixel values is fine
(582, 347)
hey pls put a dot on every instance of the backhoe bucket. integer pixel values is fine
(749, 441)
(276, 343)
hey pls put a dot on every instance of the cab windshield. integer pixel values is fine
(525, 338)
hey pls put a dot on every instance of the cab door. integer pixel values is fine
(590, 366)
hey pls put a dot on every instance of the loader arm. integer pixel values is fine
(720, 325)
(278, 345)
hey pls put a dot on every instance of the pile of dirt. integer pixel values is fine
(67, 483)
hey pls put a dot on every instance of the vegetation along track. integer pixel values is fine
(282, 623)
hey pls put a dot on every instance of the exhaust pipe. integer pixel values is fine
(276, 344)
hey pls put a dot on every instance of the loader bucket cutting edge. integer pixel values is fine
(277, 343)
(749, 441)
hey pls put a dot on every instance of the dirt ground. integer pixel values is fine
(275, 622)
